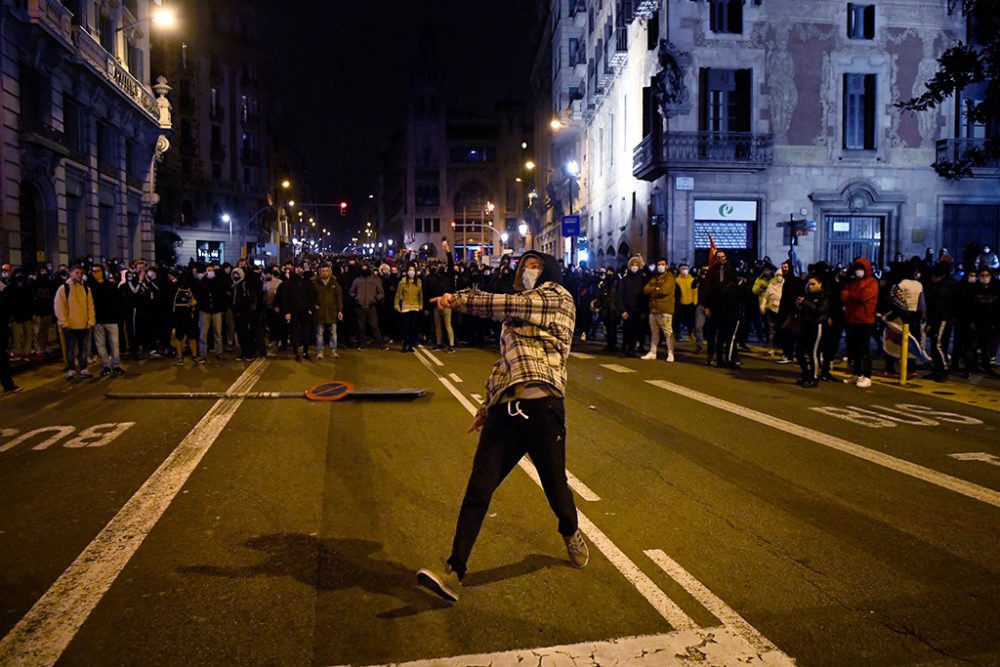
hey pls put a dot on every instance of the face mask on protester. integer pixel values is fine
(411, 274)
(529, 277)
(366, 272)
(633, 269)
(151, 275)
(661, 268)
(859, 273)
(685, 271)
(210, 274)
(971, 279)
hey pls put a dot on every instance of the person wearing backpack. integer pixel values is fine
(74, 309)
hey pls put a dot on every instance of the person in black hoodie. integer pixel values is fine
(722, 306)
(941, 298)
(986, 319)
(41, 320)
(814, 313)
(21, 295)
(246, 305)
(109, 310)
(792, 288)
(298, 303)
(212, 301)
(632, 305)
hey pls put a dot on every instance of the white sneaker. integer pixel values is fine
(649, 356)
(863, 382)
(670, 356)
(70, 375)
(334, 355)
(319, 355)
(852, 380)
(784, 360)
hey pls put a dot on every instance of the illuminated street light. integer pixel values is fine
(556, 124)
(164, 17)
(291, 202)
(518, 180)
(286, 184)
(503, 237)
(389, 242)
(529, 165)
(524, 145)
(573, 168)
(226, 218)
(522, 229)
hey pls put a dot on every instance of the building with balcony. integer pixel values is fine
(82, 131)
(455, 175)
(216, 187)
(728, 118)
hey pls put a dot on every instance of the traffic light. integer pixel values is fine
(343, 208)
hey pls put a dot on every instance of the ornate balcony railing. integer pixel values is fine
(94, 55)
(981, 151)
(619, 56)
(646, 8)
(702, 151)
(53, 16)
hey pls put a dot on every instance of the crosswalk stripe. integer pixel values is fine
(617, 368)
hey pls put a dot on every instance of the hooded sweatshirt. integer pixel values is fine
(860, 295)
(536, 334)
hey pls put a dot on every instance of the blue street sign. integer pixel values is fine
(571, 225)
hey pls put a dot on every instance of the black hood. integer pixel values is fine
(550, 273)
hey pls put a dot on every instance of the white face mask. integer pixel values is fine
(972, 280)
(210, 274)
(529, 277)
(684, 272)
(411, 274)
(633, 269)
(661, 269)
(859, 273)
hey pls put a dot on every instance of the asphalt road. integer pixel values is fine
(732, 517)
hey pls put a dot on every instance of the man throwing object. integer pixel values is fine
(523, 412)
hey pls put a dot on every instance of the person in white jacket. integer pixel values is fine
(74, 309)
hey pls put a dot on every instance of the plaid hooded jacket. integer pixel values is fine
(536, 334)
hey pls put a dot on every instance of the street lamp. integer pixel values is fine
(291, 202)
(286, 184)
(573, 168)
(161, 17)
(529, 165)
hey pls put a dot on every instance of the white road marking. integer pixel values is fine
(940, 479)
(581, 489)
(581, 355)
(982, 457)
(617, 368)
(437, 362)
(455, 378)
(710, 601)
(478, 398)
(458, 395)
(875, 416)
(683, 648)
(60, 433)
(50, 625)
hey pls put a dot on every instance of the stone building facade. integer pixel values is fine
(215, 186)
(457, 175)
(81, 133)
(733, 119)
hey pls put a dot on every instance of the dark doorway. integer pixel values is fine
(32, 215)
(967, 227)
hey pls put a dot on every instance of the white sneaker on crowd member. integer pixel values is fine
(670, 356)
(649, 356)
(319, 355)
(852, 380)
(85, 374)
(863, 382)
(70, 375)
(334, 355)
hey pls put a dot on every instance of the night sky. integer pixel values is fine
(341, 72)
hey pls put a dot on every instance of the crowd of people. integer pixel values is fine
(308, 309)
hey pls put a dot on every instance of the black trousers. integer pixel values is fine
(632, 331)
(301, 331)
(938, 339)
(411, 325)
(809, 350)
(535, 427)
(6, 380)
(859, 355)
(246, 332)
(724, 333)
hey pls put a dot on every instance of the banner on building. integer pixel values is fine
(728, 210)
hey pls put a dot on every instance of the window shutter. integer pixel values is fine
(703, 76)
(653, 31)
(735, 23)
(869, 111)
(741, 100)
(870, 22)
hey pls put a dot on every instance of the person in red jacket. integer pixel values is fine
(859, 297)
